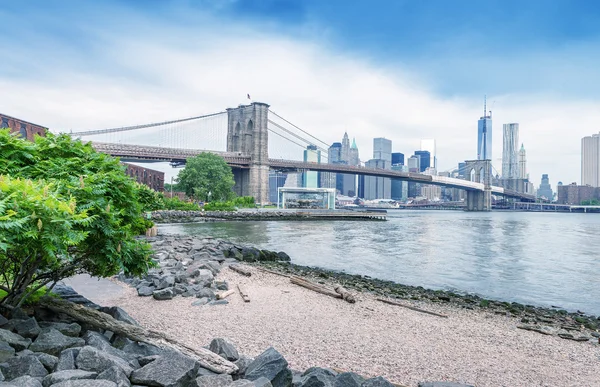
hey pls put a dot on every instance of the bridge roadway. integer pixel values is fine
(239, 160)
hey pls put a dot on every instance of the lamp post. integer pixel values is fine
(171, 187)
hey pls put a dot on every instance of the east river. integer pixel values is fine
(544, 259)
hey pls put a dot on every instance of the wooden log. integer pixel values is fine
(412, 308)
(243, 293)
(240, 270)
(223, 295)
(272, 272)
(206, 358)
(346, 295)
(315, 287)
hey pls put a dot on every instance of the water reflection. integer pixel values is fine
(547, 259)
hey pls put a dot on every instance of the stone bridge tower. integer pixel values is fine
(480, 172)
(247, 134)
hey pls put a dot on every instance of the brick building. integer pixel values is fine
(150, 177)
(575, 194)
(25, 129)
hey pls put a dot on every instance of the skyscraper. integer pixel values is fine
(523, 163)
(334, 156)
(545, 190)
(590, 160)
(382, 150)
(510, 142)
(345, 155)
(484, 135)
(425, 159)
(397, 158)
(429, 145)
(310, 179)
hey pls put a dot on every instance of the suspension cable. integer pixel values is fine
(303, 131)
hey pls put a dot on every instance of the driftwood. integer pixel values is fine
(243, 293)
(240, 270)
(272, 272)
(412, 308)
(346, 295)
(315, 287)
(206, 358)
(223, 295)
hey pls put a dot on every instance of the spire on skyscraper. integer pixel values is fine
(354, 143)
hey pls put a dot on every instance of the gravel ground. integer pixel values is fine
(370, 337)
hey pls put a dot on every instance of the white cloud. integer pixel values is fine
(138, 77)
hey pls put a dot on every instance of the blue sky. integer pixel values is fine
(416, 69)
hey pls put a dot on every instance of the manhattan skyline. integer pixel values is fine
(401, 70)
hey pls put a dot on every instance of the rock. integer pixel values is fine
(100, 342)
(19, 314)
(262, 382)
(203, 371)
(213, 381)
(66, 360)
(48, 361)
(222, 285)
(348, 379)
(115, 374)
(205, 276)
(205, 292)
(219, 302)
(62, 376)
(167, 281)
(72, 329)
(141, 349)
(18, 342)
(23, 381)
(282, 256)
(92, 359)
(271, 365)
(21, 366)
(242, 383)
(119, 314)
(543, 329)
(28, 328)
(317, 377)
(86, 383)
(443, 384)
(3, 320)
(53, 342)
(173, 370)
(163, 294)
(147, 359)
(377, 382)
(145, 291)
(200, 302)
(224, 348)
(6, 351)
(242, 364)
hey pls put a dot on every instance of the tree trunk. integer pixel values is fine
(206, 358)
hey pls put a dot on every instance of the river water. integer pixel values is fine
(544, 259)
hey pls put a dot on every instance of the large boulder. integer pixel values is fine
(119, 314)
(348, 379)
(145, 291)
(92, 359)
(66, 359)
(28, 328)
(22, 366)
(317, 377)
(271, 365)
(48, 361)
(23, 381)
(62, 376)
(3, 320)
(225, 349)
(18, 342)
(166, 281)
(377, 382)
(6, 351)
(53, 342)
(213, 381)
(173, 370)
(116, 375)
(72, 329)
(86, 383)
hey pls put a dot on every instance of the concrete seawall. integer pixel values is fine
(175, 216)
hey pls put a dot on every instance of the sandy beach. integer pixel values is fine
(370, 337)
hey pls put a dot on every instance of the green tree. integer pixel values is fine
(99, 188)
(207, 174)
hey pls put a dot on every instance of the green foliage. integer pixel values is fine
(93, 186)
(220, 206)
(591, 202)
(244, 202)
(176, 204)
(204, 174)
(173, 187)
(149, 199)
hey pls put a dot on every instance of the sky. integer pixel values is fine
(399, 69)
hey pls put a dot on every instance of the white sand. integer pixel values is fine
(370, 337)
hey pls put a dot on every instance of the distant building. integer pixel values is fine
(545, 190)
(334, 156)
(399, 187)
(429, 146)
(310, 179)
(590, 160)
(510, 143)
(150, 177)
(397, 158)
(462, 167)
(382, 150)
(25, 129)
(424, 160)
(276, 180)
(431, 192)
(377, 187)
(523, 163)
(484, 135)
(575, 194)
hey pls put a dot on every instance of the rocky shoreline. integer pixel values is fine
(176, 216)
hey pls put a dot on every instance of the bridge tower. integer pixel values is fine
(479, 171)
(247, 134)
